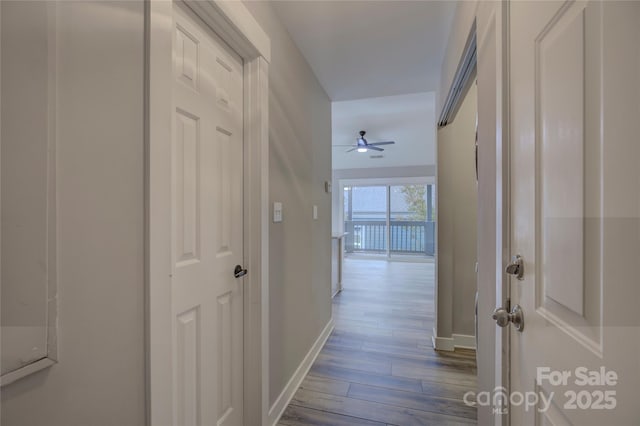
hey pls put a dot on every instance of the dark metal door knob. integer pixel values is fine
(239, 271)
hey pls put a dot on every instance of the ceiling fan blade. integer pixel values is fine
(375, 148)
(351, 150)
(382, 143)
(338, 146)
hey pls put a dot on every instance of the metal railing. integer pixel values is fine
(405, 237)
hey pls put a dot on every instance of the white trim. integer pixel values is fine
(159, 362)
(442, 343)
(52, 196)
(256, 244)
(0, 183)
(234, 23)
(278, 407)
(494, 218)
(456, 341)
(236, 26)
(464, 341)
(422, 180)
(51, 356)
(26, 370)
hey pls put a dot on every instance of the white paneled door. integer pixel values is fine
(575, 200)
(207, 229)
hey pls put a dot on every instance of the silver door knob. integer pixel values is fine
(501, 315)
(516, 267)
(504, 317)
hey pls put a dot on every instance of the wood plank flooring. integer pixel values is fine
(378, 367)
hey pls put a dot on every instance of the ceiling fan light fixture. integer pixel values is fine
(363, 146)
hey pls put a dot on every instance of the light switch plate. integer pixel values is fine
(315, 212)
(327, 186)
(277, 212)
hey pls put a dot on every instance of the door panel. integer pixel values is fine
(187, 197)
(207, 226)
(563, 83)
(575, 208)
(188, 368)
(560, 166)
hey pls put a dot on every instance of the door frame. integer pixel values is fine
(233, 22)
(494, 217)
(488, 24)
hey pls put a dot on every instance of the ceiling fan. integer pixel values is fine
(362, 145)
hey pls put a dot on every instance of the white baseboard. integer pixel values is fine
(278, 407)
(464, 341)
(442, 343)
(461, 341)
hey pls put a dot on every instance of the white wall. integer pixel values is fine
(299, 164)
(456, 221)
(100, 377)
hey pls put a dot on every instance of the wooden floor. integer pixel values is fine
(378, 367)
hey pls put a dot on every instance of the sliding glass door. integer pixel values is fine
(365, 219)
(390, 220)
(411, 220)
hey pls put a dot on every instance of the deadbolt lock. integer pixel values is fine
(516, 267)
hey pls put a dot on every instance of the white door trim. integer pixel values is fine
(236, 26)
(493, 199)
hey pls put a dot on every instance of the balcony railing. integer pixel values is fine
(406, 237)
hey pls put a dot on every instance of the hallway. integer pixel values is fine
(378, 366)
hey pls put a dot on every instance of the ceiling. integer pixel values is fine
(362, 49)
(409, 120)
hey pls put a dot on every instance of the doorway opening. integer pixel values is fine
(389, 220)
(380, 365)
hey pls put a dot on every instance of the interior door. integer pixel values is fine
(575, 124)
(207, 226)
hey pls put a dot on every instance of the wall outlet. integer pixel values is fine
(277, 212)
